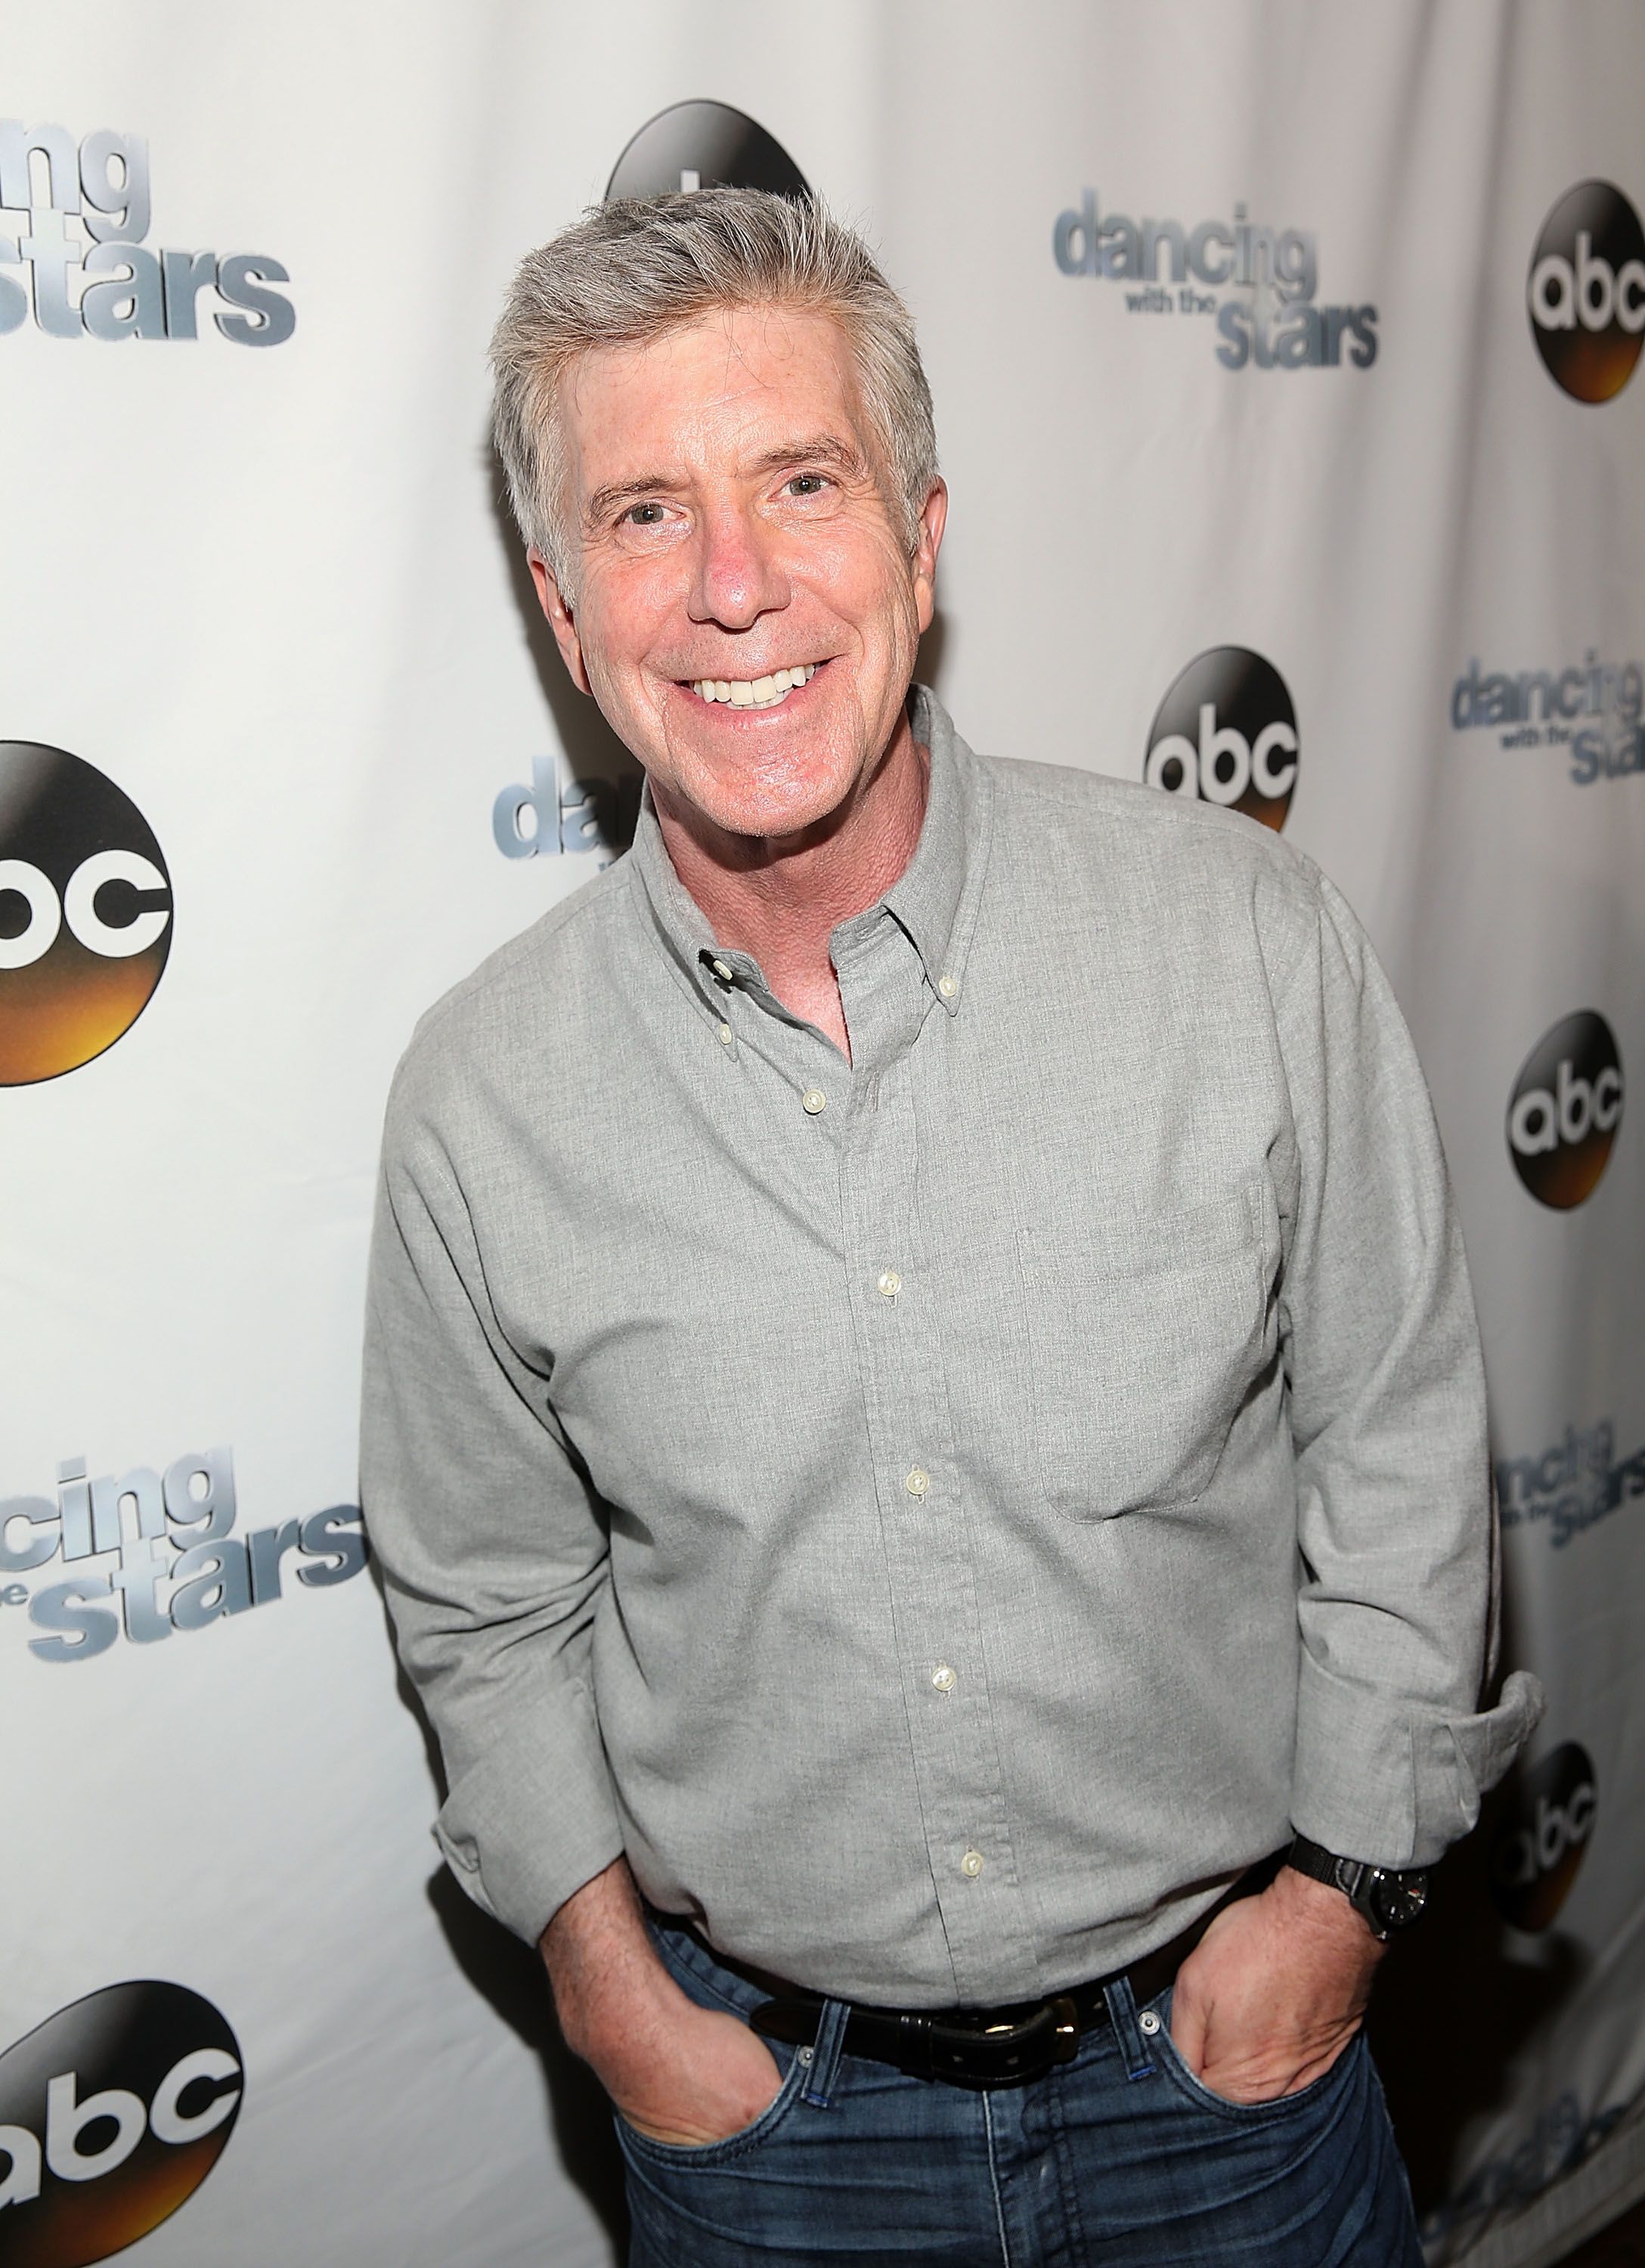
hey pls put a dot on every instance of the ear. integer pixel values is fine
(934, 518)
(557, 608)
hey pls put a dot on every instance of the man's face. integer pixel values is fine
(723, 483)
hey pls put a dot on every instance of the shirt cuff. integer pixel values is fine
(1393, 1786)
(529, 1822)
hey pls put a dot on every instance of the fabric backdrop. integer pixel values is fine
(1281, 357)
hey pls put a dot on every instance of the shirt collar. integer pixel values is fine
(928, 896)
(929, 900)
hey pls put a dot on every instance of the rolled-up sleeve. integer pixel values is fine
(492, 1549)
(1396, 1528)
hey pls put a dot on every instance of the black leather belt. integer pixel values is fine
(987, 2047)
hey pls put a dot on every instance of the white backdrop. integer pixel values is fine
(258, 582)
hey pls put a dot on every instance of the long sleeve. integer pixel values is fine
(492, 1548)
(1396, 1528)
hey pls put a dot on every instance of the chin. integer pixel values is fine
(755, 812)
(778, 800)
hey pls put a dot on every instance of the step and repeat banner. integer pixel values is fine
(1284, 361)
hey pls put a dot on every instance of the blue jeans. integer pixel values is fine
(1118, 2160)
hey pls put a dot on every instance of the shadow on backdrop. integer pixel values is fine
(1455, 2005)
(509, 1977)
(592, 749)
(1458, 2000)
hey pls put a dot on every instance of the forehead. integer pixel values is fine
(709, 391)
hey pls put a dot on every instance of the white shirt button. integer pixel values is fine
(890, 1282)
(813, 1100)
(917, 1483)
(972, 1865)
(947, 986)
(943, 1678)
(724, 1035)
(722, 970)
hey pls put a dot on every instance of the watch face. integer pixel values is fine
(1400, 1898)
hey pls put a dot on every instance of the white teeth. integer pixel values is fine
(755, 693)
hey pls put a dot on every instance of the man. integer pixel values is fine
(923, 1409)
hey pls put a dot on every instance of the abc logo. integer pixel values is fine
(704, 145)
(1226, 732)
(1542, 1842)
(1565, 1109)
(111, 2114)
(85, 912)
(1587, 292)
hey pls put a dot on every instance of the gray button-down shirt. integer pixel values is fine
(942, 1515)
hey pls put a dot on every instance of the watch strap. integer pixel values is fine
(1358, 1880)
(1323, 1866)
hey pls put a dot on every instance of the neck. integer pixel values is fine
(780, 897)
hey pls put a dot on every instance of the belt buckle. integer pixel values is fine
(1064, 2039)
(1013, 2054)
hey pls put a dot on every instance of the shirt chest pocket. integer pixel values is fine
(1144, 1338)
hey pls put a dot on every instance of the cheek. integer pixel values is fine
(867, 582)
(621, 620)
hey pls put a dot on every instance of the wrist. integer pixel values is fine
(628, 2016)
(1390, 1898)
(611, 1992)
(1323, 1913)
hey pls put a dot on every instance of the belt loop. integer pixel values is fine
(1122, 2014)
(824, 2057)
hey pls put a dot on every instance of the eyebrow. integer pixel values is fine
(616, 492)
(817, 449)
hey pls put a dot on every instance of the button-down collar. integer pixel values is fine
(932, 899)
(928, 897)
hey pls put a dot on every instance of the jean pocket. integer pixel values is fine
(729, 2145)
(1191, 2087)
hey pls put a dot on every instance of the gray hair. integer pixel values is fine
(633, 270)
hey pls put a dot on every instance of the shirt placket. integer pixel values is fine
(925, 1516)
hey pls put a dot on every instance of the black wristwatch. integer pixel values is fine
(1389, 1900)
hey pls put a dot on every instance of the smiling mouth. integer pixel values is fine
(757, 692)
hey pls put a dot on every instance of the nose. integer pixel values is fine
(738, 577)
